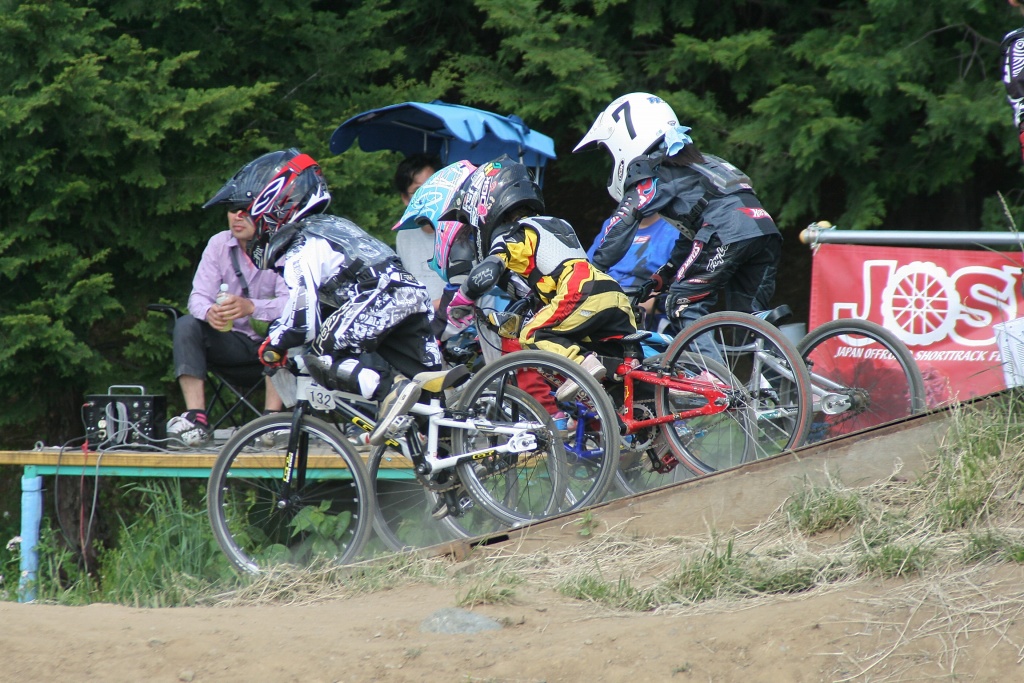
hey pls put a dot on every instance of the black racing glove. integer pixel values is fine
(664, 276)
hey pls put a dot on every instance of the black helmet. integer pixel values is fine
(488, 197)
(275, 189)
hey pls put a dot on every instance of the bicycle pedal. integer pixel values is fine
(668, 463)
(399, 426)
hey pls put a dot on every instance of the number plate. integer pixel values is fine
(320, 398)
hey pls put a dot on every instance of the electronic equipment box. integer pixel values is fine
(124, 418)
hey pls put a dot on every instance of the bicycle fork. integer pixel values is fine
(296, 457)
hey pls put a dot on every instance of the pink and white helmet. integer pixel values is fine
(454, 251)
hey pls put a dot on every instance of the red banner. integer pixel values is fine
(941, 303)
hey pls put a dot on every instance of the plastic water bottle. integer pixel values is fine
(221, 298)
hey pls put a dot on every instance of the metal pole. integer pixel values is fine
(31, 517)
(923, 238)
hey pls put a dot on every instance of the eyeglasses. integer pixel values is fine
(238, 207)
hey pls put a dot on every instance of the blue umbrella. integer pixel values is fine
(450, 131)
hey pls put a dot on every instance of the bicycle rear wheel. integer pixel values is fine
(766, 382)
(325, 513)
(862, 376)
(520, 489)
(403, 517)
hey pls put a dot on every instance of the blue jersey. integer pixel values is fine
(651, 249)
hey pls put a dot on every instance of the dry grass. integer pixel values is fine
(938, 615)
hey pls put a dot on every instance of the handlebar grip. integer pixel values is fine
(271, 356)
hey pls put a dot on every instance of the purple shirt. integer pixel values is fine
(267, 290)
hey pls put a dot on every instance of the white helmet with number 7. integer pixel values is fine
(629, 127)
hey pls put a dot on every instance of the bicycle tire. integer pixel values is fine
(883, 384)
(768, 386)
(540, 374)
(327, 514)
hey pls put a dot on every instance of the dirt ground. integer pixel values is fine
(867, 632)
(964, 627)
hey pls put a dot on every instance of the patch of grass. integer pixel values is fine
(390, 571)
(717, 573)
(774, 579)
(497, 588)
(973, 464)
(619, 594)
(164, 555)
(60, 577)
(993, 546)
(892, 560)
(817, 509)
(706, 576)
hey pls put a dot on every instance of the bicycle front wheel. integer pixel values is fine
(402, 517)
(766, 384)
(324, 512)
(579, 440)
(862, 376)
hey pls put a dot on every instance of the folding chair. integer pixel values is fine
(230, 389)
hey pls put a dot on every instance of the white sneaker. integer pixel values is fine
(191, 428)
(357, 436)
(275, 439)
(591, 364)
(397, 403)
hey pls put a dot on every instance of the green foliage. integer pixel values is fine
(586, 524)
(164, 553)
(60, 577)
(325, 531)
(118, 119)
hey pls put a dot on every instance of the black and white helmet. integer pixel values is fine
(275, 189)
(488, 197)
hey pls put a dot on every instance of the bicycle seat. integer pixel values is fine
(775, 315)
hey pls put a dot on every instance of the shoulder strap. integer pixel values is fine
(238, 271)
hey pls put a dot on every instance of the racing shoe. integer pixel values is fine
(591, 364)
(403, 395)
(192, 428)
(319, 368)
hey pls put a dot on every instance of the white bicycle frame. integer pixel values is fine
(523, 437)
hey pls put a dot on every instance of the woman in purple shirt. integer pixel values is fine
(222, 333)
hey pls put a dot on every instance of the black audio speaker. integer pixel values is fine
(118, 418)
